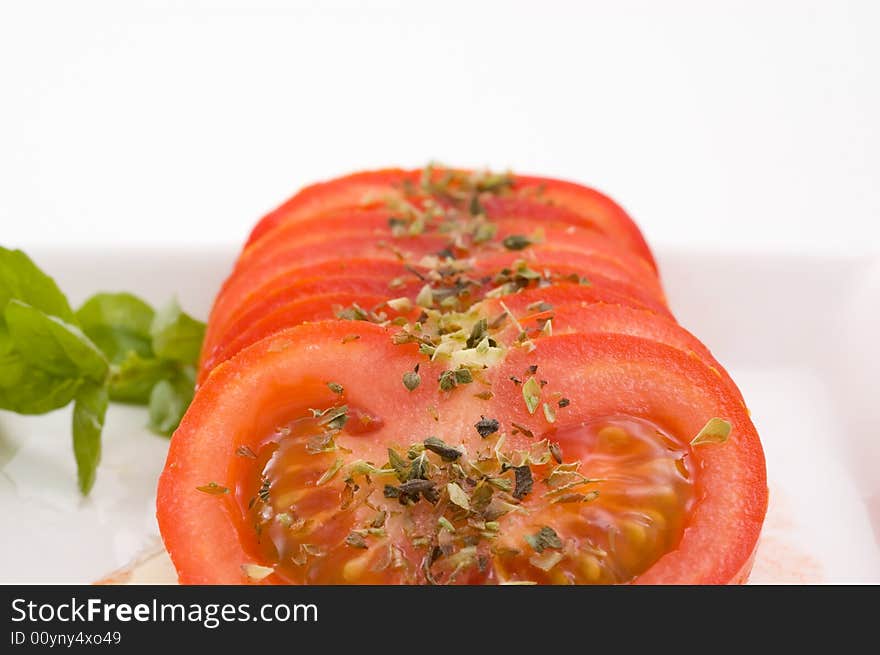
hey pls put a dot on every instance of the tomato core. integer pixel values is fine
(321, 502)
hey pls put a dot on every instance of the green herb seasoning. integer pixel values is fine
(484, 232)
(716, 430)
(486, 426)
(353, 313)
(412, 379)
(265, 487)
(447, 381)
(213, 489)
(330, 473)
(245, 451)
(523, 481)
(450, 379)
(522, 428)
(543, 539)
(516, 242)
(479, 332)
(532, 394)
(555, 451)
(463, 376)
(356, 540)
(447, 453)
(335, 418)
(457, 496)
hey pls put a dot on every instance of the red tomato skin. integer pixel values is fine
(348, 191)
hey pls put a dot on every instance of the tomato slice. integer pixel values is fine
(610, 216)
(322, 226)
(563, 260)
(591, 316)
(347, 201)
(537, 212)
(578, 253)
(357, 275)
(313, 308)
(558, 268)
(574, 237)
(525, 303)
(358, 189)
(252, 491)
(370, 225)
(247, 398)
(289, 263)
(368, 187)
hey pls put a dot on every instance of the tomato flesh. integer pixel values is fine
(338, 532)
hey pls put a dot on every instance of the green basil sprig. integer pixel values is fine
(115, 347)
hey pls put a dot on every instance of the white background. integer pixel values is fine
(744, 137)
(748, 125)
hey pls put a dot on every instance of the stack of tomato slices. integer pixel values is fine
(457, 377)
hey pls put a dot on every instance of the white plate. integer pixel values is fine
(798, 334)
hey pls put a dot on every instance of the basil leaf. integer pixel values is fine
(169, 400)
(7, 345)
(88, 423)
(132, 380)
(25, 389)
(21, 279)
(53, 345)
(177, 335)
(118, 323)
